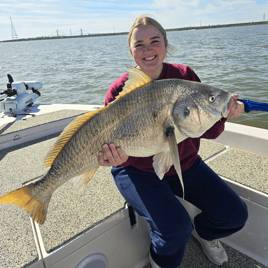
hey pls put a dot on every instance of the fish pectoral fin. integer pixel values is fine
(80, 182)
(162, 163)
(23, 198)
(173, 148)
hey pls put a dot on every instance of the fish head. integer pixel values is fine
(199, 108)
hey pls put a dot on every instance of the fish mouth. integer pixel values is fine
(229, 102)
(224, 112)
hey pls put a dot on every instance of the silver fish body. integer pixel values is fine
(148, 118)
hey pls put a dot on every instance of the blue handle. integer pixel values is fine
(254, 105)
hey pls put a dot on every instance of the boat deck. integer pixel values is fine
(72, 213)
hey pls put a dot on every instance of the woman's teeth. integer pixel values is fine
(151, 58)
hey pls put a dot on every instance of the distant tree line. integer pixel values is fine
(125, 33)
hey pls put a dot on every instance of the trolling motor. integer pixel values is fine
(19, 96)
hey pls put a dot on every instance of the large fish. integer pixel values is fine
(148, 118)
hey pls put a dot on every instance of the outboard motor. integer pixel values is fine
(19, 95)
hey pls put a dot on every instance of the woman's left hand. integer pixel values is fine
(236, 107)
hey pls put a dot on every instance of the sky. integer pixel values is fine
(36, 18)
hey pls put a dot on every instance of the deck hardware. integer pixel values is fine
(17, 137)
(96, 260)
(132, 216)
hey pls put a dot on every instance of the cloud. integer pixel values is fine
(181, 13)
(33, 18)
(43, 17)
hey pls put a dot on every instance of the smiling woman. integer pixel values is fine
(155, 199)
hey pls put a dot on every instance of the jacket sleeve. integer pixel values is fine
(115, 89)
(216, 130)
(192, 75)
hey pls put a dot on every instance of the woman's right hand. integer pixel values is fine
(115, 156)
(236, 108)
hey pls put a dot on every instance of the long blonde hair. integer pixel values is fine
(143, 20)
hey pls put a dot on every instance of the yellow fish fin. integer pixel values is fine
(67, 134)
(22, 197)
(81, 181)
(136, 79)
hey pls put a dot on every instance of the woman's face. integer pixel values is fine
(148, 49)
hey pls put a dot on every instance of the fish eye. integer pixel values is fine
(212, 98)
(186, 111)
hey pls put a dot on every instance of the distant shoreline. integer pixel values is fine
(125, 33)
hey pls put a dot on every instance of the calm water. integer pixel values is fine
(81, 70)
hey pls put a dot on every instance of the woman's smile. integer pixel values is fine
(149, 59)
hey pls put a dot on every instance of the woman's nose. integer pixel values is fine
(147, 48)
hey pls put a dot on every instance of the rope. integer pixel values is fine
(254, 106)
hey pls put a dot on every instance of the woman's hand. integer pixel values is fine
(236, 107)
(115, 156)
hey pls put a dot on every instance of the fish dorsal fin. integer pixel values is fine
(136, 79)
(67, 134)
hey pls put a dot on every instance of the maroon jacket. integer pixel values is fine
(188, 149)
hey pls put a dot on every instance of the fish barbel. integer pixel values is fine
(148, 118)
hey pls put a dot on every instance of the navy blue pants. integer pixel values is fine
(222, 211)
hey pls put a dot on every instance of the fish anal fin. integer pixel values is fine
(136, 79)
(81, 181)
(67, 134)
(22, 197)
(162, 163)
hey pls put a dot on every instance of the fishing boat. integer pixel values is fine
(95, 228)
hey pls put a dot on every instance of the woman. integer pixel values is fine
(222, 211)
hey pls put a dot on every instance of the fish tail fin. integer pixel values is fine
(23, 198)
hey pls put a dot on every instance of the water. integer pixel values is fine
(80, 70)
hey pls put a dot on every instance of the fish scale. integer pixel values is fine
(148, 118)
